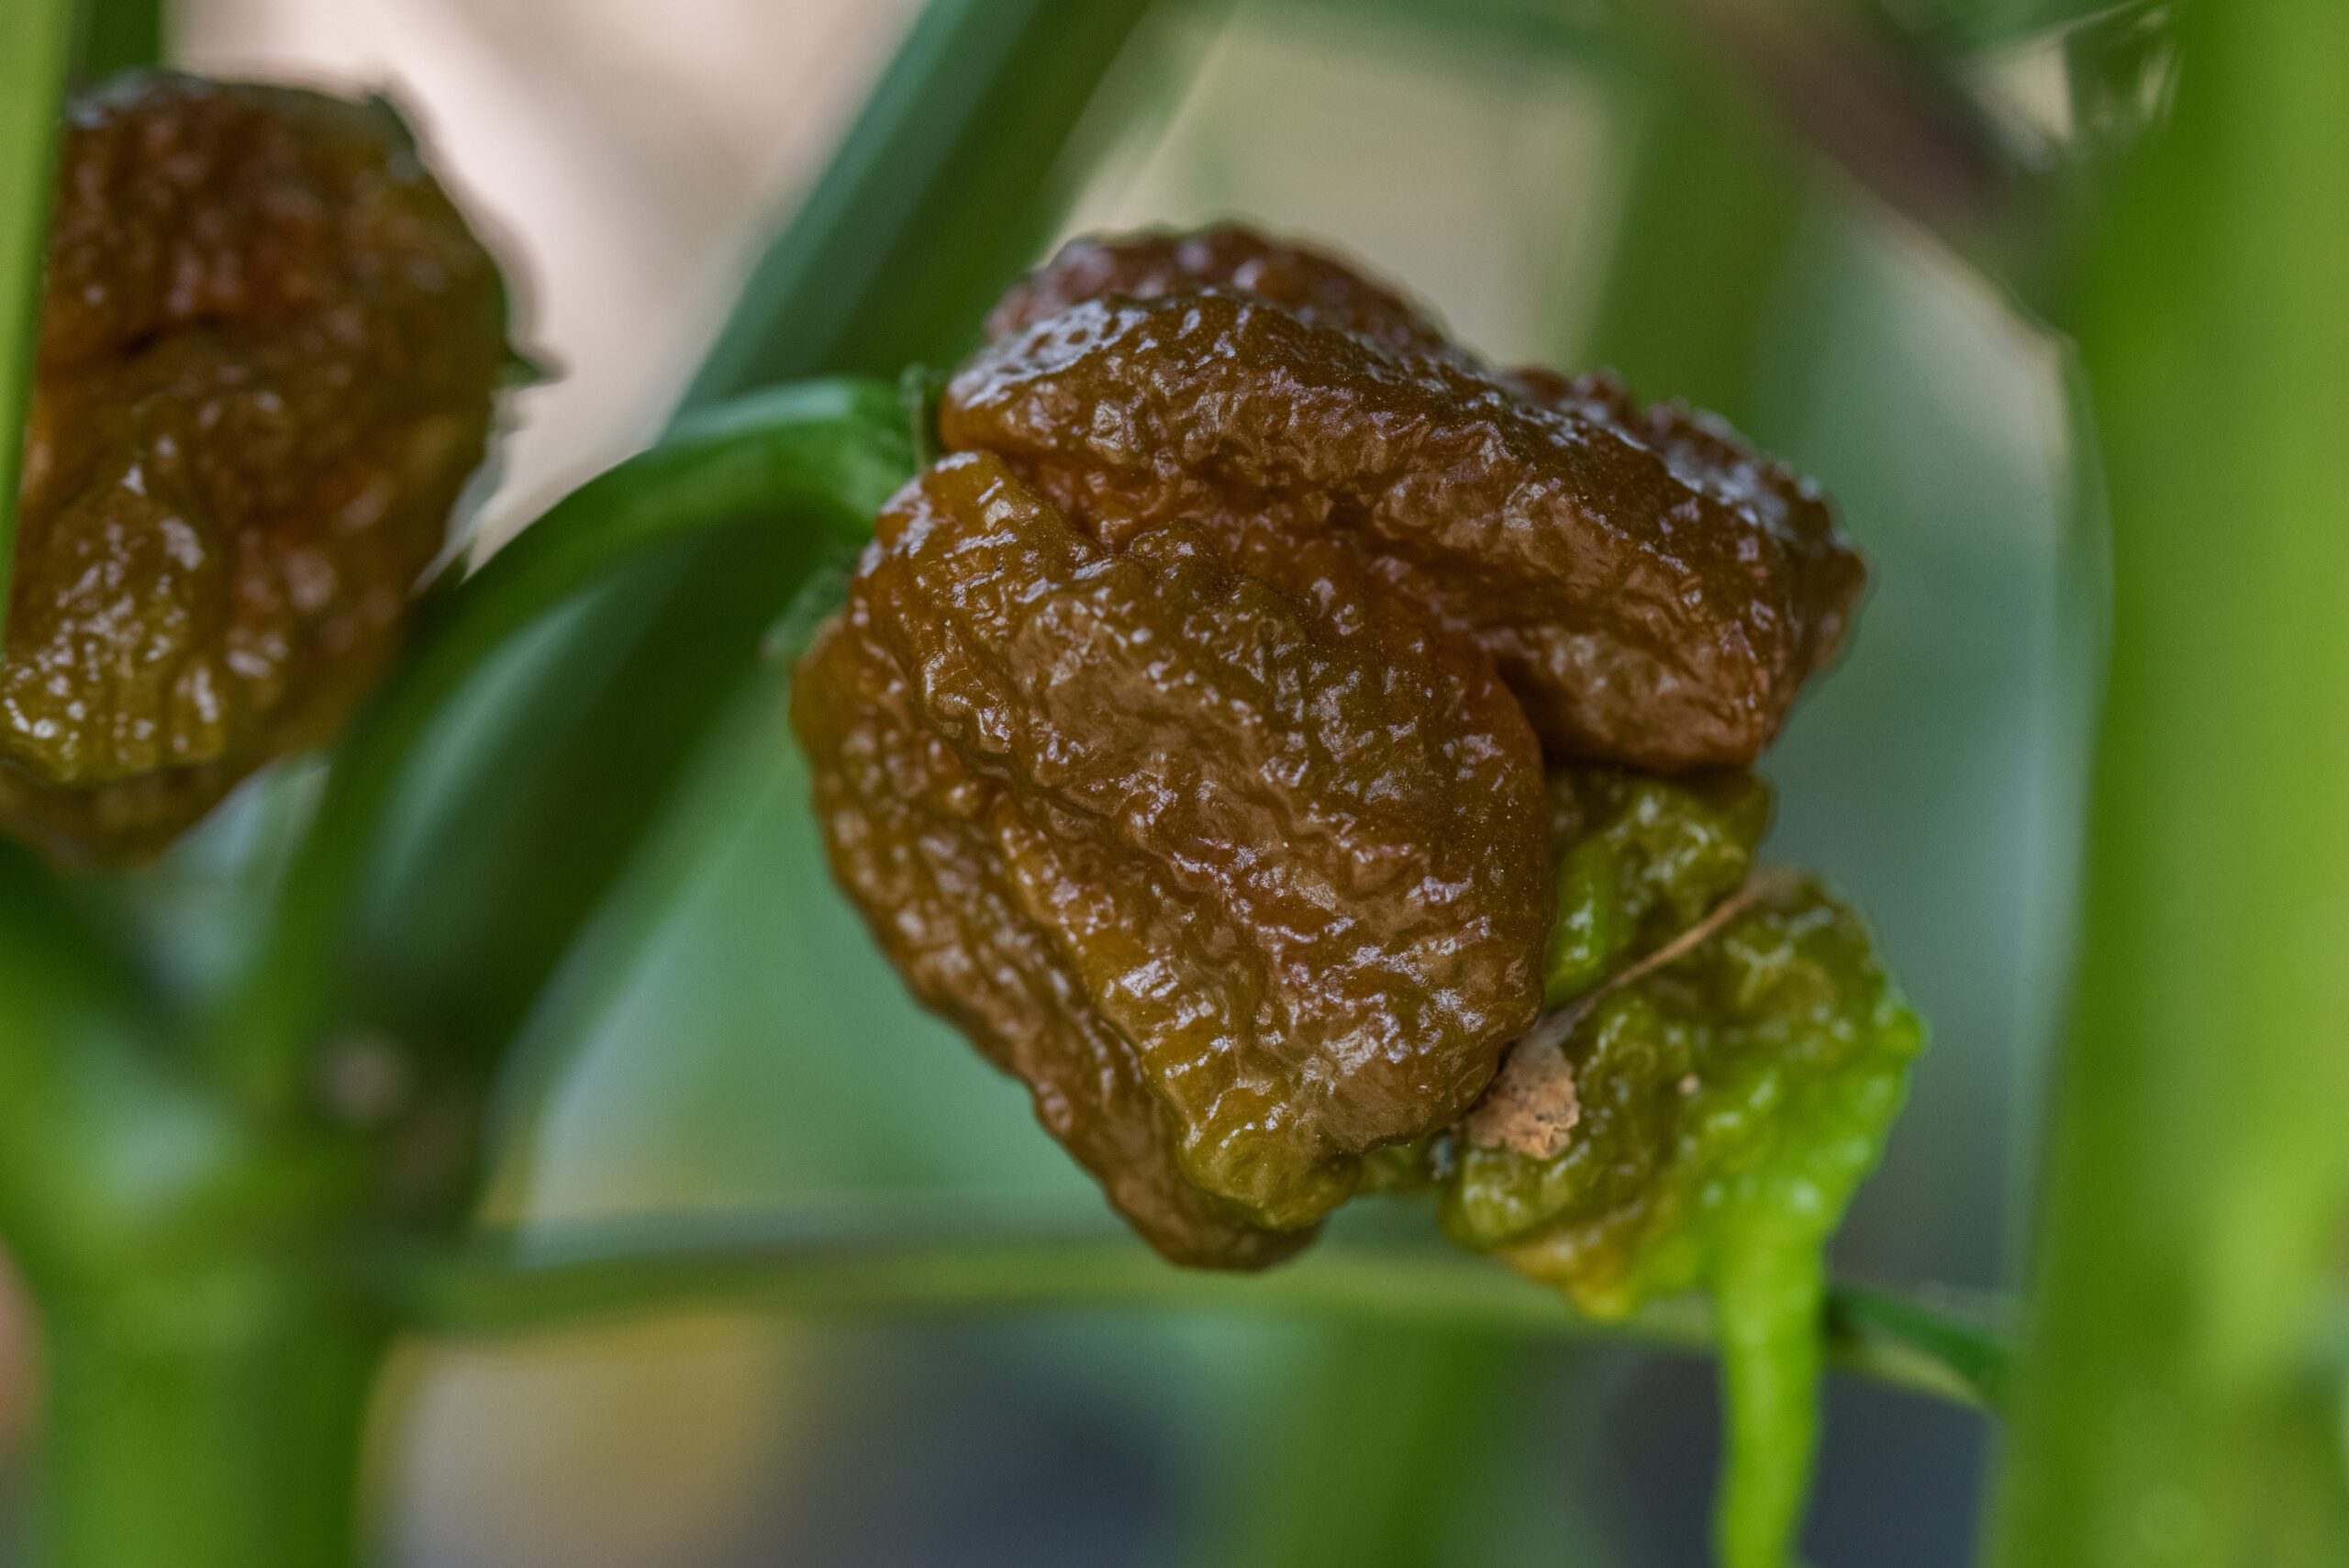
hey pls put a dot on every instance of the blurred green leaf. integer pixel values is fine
(2198, 1175)
(1710, 208)
(119, 36)
(1981, 25)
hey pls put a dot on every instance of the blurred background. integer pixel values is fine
(1558, 196)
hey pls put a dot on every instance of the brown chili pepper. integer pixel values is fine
(1654, 591)
(1289, 856)
(912, 833)
(268, 353)
(1164, 740)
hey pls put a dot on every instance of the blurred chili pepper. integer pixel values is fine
(268, 349)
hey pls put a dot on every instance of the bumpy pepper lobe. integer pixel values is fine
(1640, 860)
(1294, 850)
(914, 837)
(269, 350)
(1654, 591)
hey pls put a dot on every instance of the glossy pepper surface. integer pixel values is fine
(1655, 590)
(269, 348)
(1692, 1081)
(1641, 859)
(1289, 855)
(1180, 734)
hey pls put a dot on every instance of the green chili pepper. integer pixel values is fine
(1641, 857)
(1722, 1108)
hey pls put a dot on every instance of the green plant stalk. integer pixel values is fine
(2197, 1171)
(36, 38)
(818, 458)
(557, 1275)
(210, 1419)
(204, 1369)
(209, 1355)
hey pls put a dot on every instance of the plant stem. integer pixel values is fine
(2197, 1171)
(206, 1421)
(820, 457)
(36, 37)
(504, 1283)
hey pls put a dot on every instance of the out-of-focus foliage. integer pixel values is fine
(731, 1055)
(2191, 1233)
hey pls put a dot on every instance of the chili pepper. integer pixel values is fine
(1654, 591)
(268, 349)
(1284, 860)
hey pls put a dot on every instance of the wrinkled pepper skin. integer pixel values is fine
(1727, 1106)
(1291, 855)
(1265, 707)
(268, 349)
(1654, 591)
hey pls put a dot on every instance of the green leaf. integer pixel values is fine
(119, 36)
(1713, 201)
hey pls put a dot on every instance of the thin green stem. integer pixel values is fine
(36, 38)
(501, 1284)
(823, 455)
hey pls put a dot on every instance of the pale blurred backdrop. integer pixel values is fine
(630, 158)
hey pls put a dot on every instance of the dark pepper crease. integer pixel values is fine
(1183, 737)
(269, 350)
